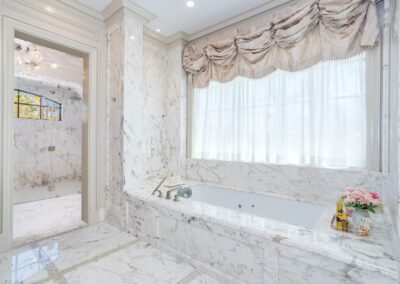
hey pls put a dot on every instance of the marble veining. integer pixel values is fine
(301, 183)
(35, 167)
(41, 219)
(222, 231)
(97, 254)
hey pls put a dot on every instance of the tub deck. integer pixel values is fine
(267, 246)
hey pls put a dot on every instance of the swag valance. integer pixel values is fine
(295, 38)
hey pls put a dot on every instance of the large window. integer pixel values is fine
(315, 117)
(28, 105)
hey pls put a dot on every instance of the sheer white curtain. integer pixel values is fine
(315, 117)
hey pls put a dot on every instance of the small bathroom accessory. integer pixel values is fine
(353, 210)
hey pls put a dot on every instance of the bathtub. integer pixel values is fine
(241, 237)
(284, 210)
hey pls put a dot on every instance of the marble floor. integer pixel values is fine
(41, 219)
(62, 188)
(96, 254)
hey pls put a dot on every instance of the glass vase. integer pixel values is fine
(357, 217)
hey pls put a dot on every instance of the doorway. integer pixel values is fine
(93, 118)
(47, 154)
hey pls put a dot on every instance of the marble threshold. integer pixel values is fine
(96, 254)
(375, 253)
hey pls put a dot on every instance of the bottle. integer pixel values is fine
(340, 215)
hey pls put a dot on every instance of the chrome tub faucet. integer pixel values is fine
(172, 190)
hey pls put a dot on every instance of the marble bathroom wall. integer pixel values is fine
(35, 167)
(146, 99)
(155, 88)
(302, 183)
(176, 108)
(115, 116)
(164, 82)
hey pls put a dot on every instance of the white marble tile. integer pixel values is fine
(203, 279)
(139, 263)
(62, 188)
(40, 219)
(77, 246)
(24, 264)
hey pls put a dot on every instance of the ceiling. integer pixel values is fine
(54, 66)
(173, 16)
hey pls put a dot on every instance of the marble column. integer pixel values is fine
(125, 109)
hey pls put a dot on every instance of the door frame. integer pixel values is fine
(10, 29)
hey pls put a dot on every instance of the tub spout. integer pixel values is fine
(160, 194)
(169, 192)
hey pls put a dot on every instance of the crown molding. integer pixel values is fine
(116, 5)
(271, 4)
(163, 39)
(83, 8)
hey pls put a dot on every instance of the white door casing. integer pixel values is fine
(93, 148)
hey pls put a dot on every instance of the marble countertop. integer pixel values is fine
(375, 252)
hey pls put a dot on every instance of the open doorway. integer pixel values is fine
(48, 135)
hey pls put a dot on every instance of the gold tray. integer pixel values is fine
(333, 226)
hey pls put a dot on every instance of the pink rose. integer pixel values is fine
(363, 200)
(374, 195)
(344, 194)
(375, 202)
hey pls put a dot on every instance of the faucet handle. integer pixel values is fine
(176, 198)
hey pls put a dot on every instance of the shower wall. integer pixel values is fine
(35, 168)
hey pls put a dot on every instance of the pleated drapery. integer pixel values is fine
(293, 39)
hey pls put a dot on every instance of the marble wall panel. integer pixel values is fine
(115, 119)
(302, 183)
(199, 240)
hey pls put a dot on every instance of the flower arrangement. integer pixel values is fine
(361, 199)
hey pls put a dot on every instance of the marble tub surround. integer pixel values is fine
(97, 254)
(293, 182)
(215, 236)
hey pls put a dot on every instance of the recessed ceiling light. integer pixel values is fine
(49, 9)
(190, 4)
(54, 66)
(158, 30)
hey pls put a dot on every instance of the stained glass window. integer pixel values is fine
(32, 106)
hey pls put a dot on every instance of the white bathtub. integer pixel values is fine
(284, 210)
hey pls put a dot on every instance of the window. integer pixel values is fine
(28, 105)
(314, 117)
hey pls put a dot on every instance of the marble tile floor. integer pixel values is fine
(96, 254)
(29, 194)
(41, 219)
